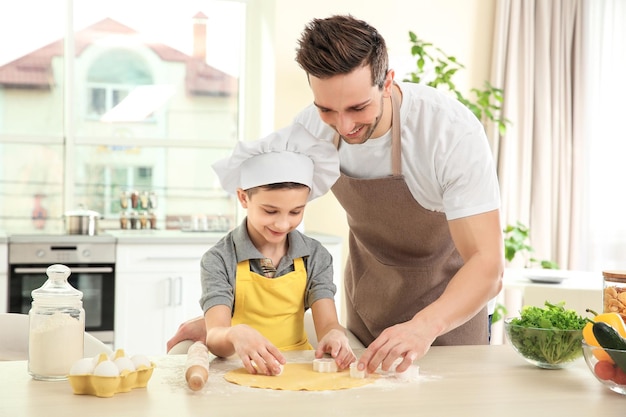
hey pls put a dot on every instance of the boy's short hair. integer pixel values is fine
(275, 186)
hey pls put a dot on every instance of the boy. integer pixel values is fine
(258, 280)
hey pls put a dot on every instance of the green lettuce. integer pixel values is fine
(550, 345)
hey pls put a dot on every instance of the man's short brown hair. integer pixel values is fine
(339, 45)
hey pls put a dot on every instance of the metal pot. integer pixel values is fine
(81, 222)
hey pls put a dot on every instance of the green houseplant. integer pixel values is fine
(437, 69)
(516, 241)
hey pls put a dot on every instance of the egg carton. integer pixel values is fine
(109, 385)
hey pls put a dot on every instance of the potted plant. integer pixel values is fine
(437, 69)
(516, 242)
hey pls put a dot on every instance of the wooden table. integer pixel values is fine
(454, 381)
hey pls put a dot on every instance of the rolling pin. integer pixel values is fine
(197, 366)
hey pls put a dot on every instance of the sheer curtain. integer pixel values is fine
(537, 61)
(605, 112)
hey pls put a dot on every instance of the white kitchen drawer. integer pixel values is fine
(146, 257)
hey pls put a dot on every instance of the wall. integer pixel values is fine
(462, 28)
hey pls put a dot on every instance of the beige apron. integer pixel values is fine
(401, 255)
(273, 306)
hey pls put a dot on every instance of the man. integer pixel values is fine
(420, 191)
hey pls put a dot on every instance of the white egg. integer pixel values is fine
(124, 364)
(83, 366)
(106, 368)
(141, 361)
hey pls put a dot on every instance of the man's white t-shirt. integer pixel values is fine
(446, 159)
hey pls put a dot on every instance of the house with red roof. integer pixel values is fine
(130, 112)
(123, 85)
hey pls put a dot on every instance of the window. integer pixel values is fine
(111, 78)
(124, 106)
(604, 239)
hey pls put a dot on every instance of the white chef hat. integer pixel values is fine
(291, 154)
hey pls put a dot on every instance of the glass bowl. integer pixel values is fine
(603, 367)
(545, 348)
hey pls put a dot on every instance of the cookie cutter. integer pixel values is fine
(354, 371)
(324, 365)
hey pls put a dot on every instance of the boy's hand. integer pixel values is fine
(251, 346)
(335, 343)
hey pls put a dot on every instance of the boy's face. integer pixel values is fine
(352, 106)
(272, 214)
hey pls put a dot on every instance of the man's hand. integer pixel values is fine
(193, 329)
(398, 341)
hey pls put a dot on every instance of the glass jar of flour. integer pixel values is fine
(57, 326)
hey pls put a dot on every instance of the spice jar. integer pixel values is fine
(152, 220)
(144, 200)
(123, 221)
(57, 326)
(134, 199)
(143, 220)
(614, 295)
(124, 196)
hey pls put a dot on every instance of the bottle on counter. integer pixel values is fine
(614, 295)
(57, 326)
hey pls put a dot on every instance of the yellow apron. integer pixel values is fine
(273, 306)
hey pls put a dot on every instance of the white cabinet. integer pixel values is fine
(4, 281)
(157, 288)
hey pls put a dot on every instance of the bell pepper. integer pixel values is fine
(612, 319)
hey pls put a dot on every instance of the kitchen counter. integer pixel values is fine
(178, 236)
(454, 381)
(164, 236)
(579, 290)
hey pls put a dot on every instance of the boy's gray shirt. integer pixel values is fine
(218, 267)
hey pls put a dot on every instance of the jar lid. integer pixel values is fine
(57, 290)
(618, 276)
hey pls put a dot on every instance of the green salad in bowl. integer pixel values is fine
(549, 337)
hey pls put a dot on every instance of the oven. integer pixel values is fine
(92, 262)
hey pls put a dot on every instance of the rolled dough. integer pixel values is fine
(298, 377)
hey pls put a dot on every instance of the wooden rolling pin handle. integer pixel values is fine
(197, 366)
(196, 377)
